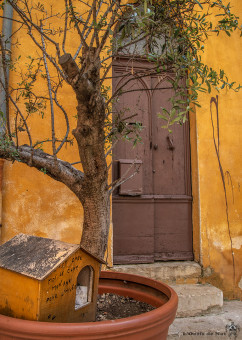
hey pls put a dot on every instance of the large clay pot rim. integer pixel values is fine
(167, 290)
(160, 314)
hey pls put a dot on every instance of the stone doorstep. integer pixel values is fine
(198, 299)
(168, 272)
(227, 325)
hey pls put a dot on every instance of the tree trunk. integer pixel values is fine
(94, 194)
(90, 136)
(96, 223)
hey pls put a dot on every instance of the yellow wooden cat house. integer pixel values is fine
(47, 280)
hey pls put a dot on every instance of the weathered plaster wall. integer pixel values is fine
(33, 203)
(217, 170)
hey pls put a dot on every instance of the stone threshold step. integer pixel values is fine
(226, 325)
(198, 299)
(168, 272)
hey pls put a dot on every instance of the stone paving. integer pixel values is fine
(225, 325)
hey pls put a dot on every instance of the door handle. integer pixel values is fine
(170, 143)
(155, 146)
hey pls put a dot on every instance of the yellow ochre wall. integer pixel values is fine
(33, 203)
(217, 176)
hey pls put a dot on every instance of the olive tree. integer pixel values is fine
(169, 34)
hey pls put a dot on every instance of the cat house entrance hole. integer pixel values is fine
(84, 287)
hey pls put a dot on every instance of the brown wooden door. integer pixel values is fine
(154, 225)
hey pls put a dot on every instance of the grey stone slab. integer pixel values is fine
(226, 325)
(198, 299)
(163, 271)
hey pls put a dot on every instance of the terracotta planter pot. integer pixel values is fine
(151, 325)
